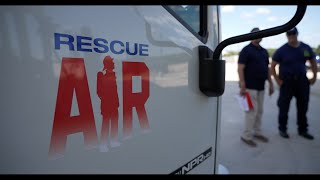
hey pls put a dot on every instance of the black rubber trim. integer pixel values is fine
(202, 35)
(216, 166)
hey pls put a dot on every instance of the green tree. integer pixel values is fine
(271, 51)
(317, 51)
(231, 53)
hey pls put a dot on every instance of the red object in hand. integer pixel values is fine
(250, 104)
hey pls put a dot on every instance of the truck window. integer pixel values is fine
(193, 17)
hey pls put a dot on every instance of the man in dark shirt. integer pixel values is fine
(253, 71)
(293, 81)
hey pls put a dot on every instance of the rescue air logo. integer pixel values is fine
(73, 81)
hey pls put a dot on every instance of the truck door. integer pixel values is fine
(106, 89)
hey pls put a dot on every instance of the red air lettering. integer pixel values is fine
(73, 78)
(136, 100)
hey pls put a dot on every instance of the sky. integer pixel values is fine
(237, 20)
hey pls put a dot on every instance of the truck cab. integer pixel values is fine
(113, 89)
(107, 89)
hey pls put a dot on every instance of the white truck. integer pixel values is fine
(110, 89)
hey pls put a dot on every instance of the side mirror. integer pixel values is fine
(212, 70)
(211, 73)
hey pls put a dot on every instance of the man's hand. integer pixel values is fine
(279, 82)
(242, 88)
(271, 89)
(312, 81)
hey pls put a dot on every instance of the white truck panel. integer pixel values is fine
(182, 120)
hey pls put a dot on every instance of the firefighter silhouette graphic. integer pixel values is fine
(108, 94)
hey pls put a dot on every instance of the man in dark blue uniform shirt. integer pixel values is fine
(253, 71)
(293, 81)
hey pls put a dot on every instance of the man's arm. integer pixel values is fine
(273, 72)
(241, 79)
(314, 69)
(271, 90)
(269, 76)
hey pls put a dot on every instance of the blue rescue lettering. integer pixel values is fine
(98, 45)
